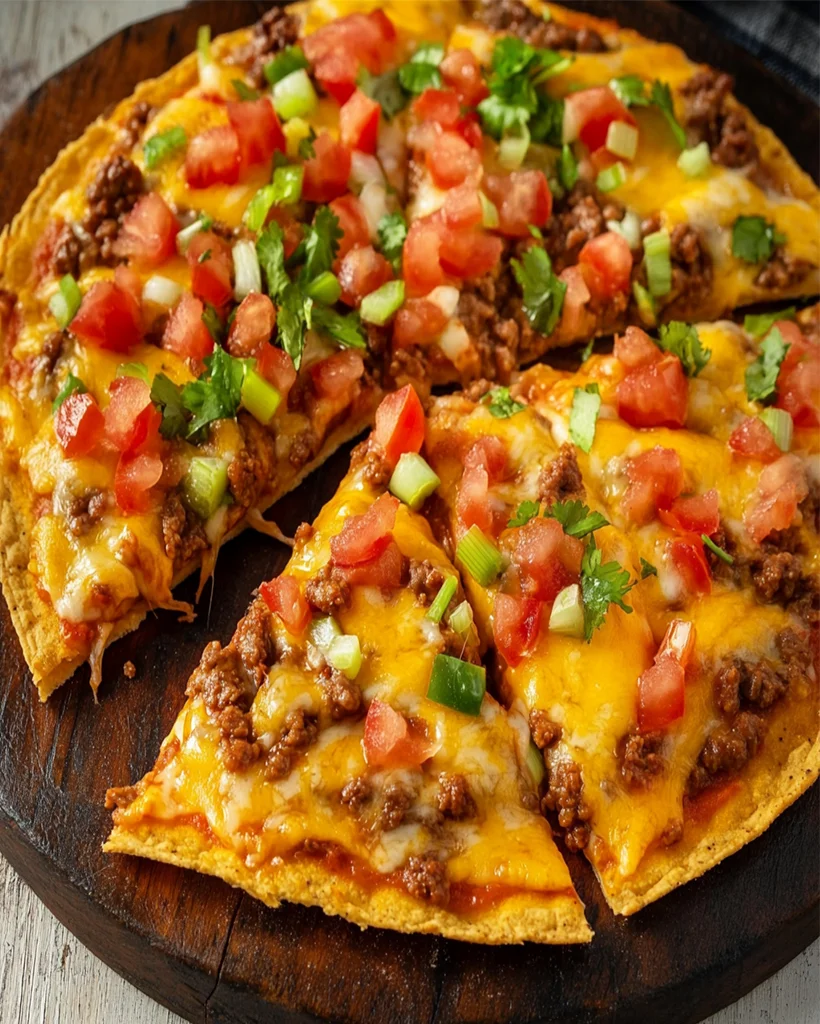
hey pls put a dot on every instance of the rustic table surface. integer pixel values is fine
(46, 976)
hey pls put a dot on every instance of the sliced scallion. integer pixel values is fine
(489, 212)
(287, 184)
(479, 556)
(695, 161)
(162, 145)
(187, 234)
(203, 46)
(781, 425)
(567, 615)
(324, 288)
(629, 228)
(294, 95)
(457, 684)
(535, 763)
(323, 631)
(611, 178)
(413, 481)
(724, 555)
(247, 272)
(260, 398)
(162, 291)
(645, 304)
(345, 655)
(658, 263)
(442, 599)
(65, 302)
(513, 147)
(461, 621)
(256, 212)
(380, 305)
(204, 485)
(622, 139)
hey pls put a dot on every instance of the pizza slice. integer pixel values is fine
(342, 752)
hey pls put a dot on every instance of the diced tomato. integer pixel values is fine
(490, 453)
(798, 391)
(418, 322)
(774, 505)
(461, 71)
(257, 129)
(213, 158)
(365, 537)
(753, 439)
(277, 367)
(635, 348)
(338, 376)
(109, 317)
(129, 281)
(185, 333)
(451, 159)
(575, 299)
(338, 49)
(399, 424)
(439, 105)
(589, 113)
(484, 463)
(211, 263)
(79, 425)
(327, 172)
(522, 198)
(421, 264)
(353, 222)
(696, 514)
(359, 122)
(390, 741)
(469, 129)
(252, 326)
(689, 562)
(148, 232)
(384, 571)
(678, 642)
(655, 480)
(547, 558)
(655, 395)
(799, 345)
(661, 694)
(284, 598)
(606, 263)
(462, 207)
(291, 227)
(516, 626)
(361, 272)
(130, 418)
(135, 475)
(469, 252)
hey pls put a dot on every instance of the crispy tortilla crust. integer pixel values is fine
(552, 919)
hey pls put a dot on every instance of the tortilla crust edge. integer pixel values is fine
(557, 919)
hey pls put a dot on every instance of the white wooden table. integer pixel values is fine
(46, 975)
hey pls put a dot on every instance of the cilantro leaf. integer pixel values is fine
(386, 90)
(647, 569)
(159, 147)
(547, 123)
(510, 105)
(761, 376)
(73, 385)
(501, 403)
(543, 291)
(576, 518)
(630, 90)
(292, 315)
(526, 510)
(211, 319)
(421, 72)
(270, 248)
(343, 328)
(392, 231)
(754, 239)
(761, 323)
(291, 59)
(583, 417)
(321, 243)
(167, 396)
(601, 585)
(586, 351)
(567, 168)
(661, 97)
(683, 341)
(216, 393)
(244, 92)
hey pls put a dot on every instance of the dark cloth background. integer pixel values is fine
(783, 34)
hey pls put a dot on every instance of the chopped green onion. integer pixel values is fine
(345, 655)
(72, 385)
(260, 398)
(762, 323)
(583, 417)
(204, 485)
(291, 59)
(622, 139)
(413, 481)
(727, 558)
(513, 146)
(489, 212)
(256, 212)
(457, 684)
(695, 161)
(380, 305)
(781, 425)
(461, 621)
(611, 178)
(138, 370)
(629, 228)
(287, 184)
(324, 288)
(294, 95)
(567, 167)
(203, 45)
(442, 599)
(567, 615)
(244, 91)
(479, 556)
(65, 302)
(247, 272)
(323, 631)
(658, 264)
(535, 763)
(162, 145)
(645, 304)
(162, 291)
(185, 236)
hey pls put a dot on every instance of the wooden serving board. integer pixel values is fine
(211, 953)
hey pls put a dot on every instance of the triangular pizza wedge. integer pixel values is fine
(341, 751)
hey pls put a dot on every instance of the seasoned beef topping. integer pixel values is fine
(777, 576)
(328, 590)
(561, 478)
(303, 447)
(425, 879)
(356, 793)
(516, 18)
(564, 794)
(691, 266)
(369, 458)
(673, 833)
(275, 30)
(424, 581)
(728, 748)
(253, 641)
(576, 218)
(782, 271)
(253, 469)
(640, 758)
(707, 118)
(298, 733)
(342, 696)
(491, 310)
(454, 797)
(114, 192)
(397, 801)
(183, 534)
(544, 731)
(139, 116)
(85, 510)
(740, 683)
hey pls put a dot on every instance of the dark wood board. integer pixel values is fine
(212, 954)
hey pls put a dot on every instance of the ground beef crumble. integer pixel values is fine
(561, 478)
(564, 794)
(515, 17)
(356, 793)
(369, 458)
(275, 30)
(782, 270)
(425, 879)
(299, 731)
(544, 731)
(342, 696)
(640, 758)
(328, 590)
(397, 800)
(183, 534)
(454, 798)
(85, 510)
(707, 118)
(424, 581)
(728, 748)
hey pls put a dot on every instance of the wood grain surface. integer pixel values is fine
(197, 943)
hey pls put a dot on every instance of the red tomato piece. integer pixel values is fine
(484, 463)
(418, 322)
(798, 391)
(252, 325)
(211, 263)
(689, 562)
(461, 71)
(661, 694)
(277, 367)
(575, 300)
(655, 480)
(79, 425)
(490, 453)
(469, 129)
(451, 160)
(547, 558)
(361, 272)
(589, 113)
(439, 105)
(389, 740)
(337, 377)
(384, 571)
(462, 207)
(359, 122)
(635, 348)
(109, 317)
(469, 252)
(399, 424)
(185, 333)
(327, 172)
(213, 158)
(129, 414)
(257, 129)
(148, 232)
(363, 538)
(421, 262)
(353, 222)
(678, 642)
(696, 514)
(655, 395)
(774, 505)
(338, 49)
(799, 345)
(135, 475)
(516, 626)
(753, 439)
(522, 198)
(284, 598)
(606, 262)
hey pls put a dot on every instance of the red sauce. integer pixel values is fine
(77, 635)
(701, 808)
